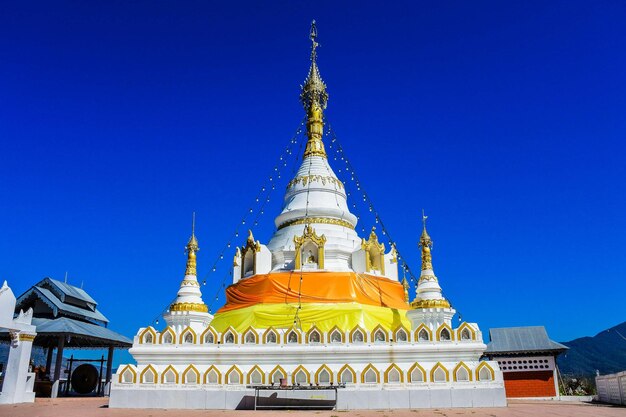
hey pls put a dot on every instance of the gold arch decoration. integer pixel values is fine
(232, 369)
(406, 331)
(209, 330)
(324, 367)
(309, 235)
(123, 371)
(393, 366)
(154, 372)
(150, 330)
(268, 331)
(374, 253)
(296, 371)
(460, 366)
(416, 333)
(311, 331)
(289, 331)
(217, 372)
(277, 368)
(367, 368)
(188, 329)
(441, 328)
(348, 368)
(355, 329)
(439, 365)
(251, 371)
(231, 330)
(341, 333)
(164, 373)
(463, 326)
(376, 329)
(244, 335)
(169, 330)
(482, 365)
(192, 369)
(421, 369)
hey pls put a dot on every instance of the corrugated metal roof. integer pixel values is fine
(64, 325)
(53, 301)
(72, 291)
(521, 339)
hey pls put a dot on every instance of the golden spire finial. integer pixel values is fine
(405, 285)
(191, 248)
(426, 244)
(314, 99)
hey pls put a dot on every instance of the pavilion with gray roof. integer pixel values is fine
(66, 317)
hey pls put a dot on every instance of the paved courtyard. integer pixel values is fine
(97, 407)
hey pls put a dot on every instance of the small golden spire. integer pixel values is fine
(314, 99)
(405, 285)
(426, 245)
(191, 249)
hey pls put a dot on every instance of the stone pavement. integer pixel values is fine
(97, 407)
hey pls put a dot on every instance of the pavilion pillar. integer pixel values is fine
(57, 367)
(49, 360)
(109, 364)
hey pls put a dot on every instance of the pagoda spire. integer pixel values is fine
(191, 249)
(426, 245)
(428, 291)
(189, 296)
(314, 99)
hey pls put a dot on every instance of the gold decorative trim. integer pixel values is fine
(294, 374)
(205, 378)
(467, 369)
(324, 367)
(367, 368)
(427, 278)
(189, 369)
(421, 369)
(317, 220)
(388, 370)
(170, 367)
(462, 327)
(123, 371)
(315, 178)
(484, 364)
(348, 368)
(190, 282)
(154, 372)
(251, 371)
(416, 333)
(169, 330)
(232, 369)
(376, 329)
(441, 329)
(24, 337)
(341, 333)
(443, 368)
(186, 330)
(442, 303)
(199, 307)
(309, 235)
(277, 368)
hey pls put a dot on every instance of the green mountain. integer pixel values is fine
(605, 352)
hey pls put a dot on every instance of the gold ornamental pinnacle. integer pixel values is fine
(191, 249)
(314, 99)
(426, 245)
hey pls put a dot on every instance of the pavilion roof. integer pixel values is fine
(78, 334)
(63, 300)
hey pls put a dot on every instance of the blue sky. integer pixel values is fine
(505, 121)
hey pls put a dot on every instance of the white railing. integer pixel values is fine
(612, 388)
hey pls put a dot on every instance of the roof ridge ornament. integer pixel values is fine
(314, 98)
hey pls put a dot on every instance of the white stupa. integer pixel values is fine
(318, 305)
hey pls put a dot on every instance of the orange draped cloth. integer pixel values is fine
(316, 287)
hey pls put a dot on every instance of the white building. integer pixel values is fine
(316, 305)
